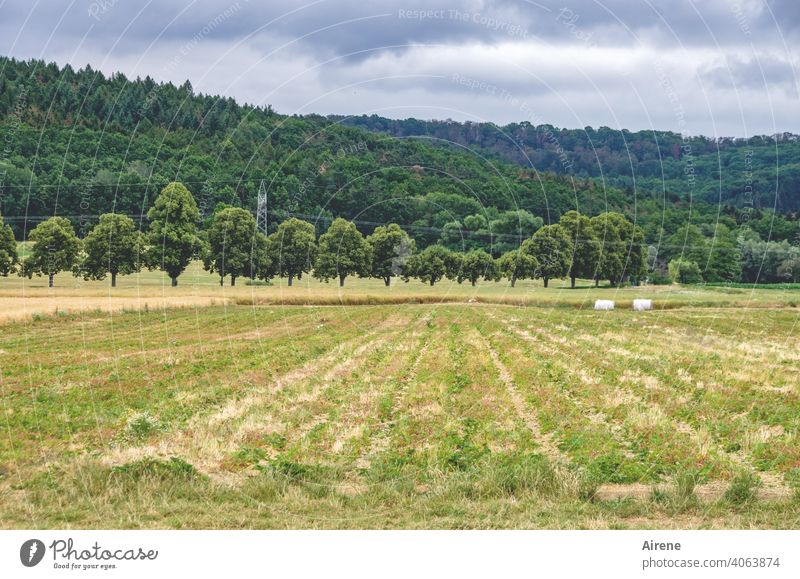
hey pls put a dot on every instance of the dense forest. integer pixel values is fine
(79, 144)
(762, 171)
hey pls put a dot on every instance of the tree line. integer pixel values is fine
(72, 135)
(232, 246)
(603, 247)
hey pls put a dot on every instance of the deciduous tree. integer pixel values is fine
(517, 264)
(552, 248)
(172, 238)
(391, 247)
(113, 246)
(233, 244)
(477, 264)
(342, 251)
(293, 248)
(431, 265)
(8, 249)
(685, 271)
(586, 246)
(56, 248)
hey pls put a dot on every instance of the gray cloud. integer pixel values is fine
(760, 73)
(567, 62)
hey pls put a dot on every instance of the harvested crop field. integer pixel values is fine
(401, 416)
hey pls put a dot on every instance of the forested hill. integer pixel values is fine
(77, 143)
(711, 170)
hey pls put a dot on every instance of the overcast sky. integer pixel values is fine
(716, 67)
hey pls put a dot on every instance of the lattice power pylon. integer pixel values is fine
(261, 208)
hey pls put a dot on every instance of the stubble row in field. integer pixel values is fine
(401, 416)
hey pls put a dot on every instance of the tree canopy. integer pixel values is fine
(9, 259)
(390, 249)
(552, 247)
(432, 264)
(56, 248)
(113, 246)
(292, 248)
(234, 245)
(342, 251)
(477, 264)
(173, 237)
(518, 264)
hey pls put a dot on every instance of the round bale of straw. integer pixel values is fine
(604, 305)
(642, 305)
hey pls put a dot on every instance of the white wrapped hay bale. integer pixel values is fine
(642, 305)
(604, 305)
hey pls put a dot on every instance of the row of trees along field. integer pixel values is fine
(607, 246)
(604, 247)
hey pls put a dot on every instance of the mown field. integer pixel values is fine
(470, 415)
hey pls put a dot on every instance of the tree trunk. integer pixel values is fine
(221, 281)
(290, 280)
(175, 281)
(233, 280)
(597, 282)
(113, 279)
(51, 280)
(341, 280)
(387, 280)
(473, 283)
(513, 280)
(545, 281)
(572, 282)
(433, 281)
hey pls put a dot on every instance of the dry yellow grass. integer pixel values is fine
(22, 298)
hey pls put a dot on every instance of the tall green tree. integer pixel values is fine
(761, 260)
(517, 264)
(293, 248)
(233, 244)
(623, 251)
(342, 251)
(687, 243)
(431, 265)
(477, 264)
(56, 248)
(260, 265)
(173, 238)
(637, 251)
(511, 228)
(552, 248)
(724, 257)
(113, 246)
(685, 271)
(789, 269)
(8, 249)
(390, 249)
(612, 250)
(586, 246)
